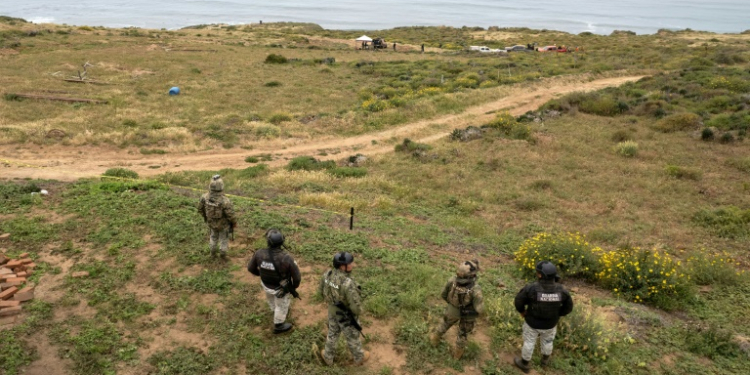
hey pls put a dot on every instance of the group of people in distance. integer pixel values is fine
(540, 303)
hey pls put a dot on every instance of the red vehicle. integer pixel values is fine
(547, 49)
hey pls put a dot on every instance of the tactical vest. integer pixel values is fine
(214, 209)
(268, 274)
(547, 301)
(461, 295)
(333, 287)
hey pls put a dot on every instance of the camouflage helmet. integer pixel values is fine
(216, 185)
(468, 269)
(274, 238)
(546, 269)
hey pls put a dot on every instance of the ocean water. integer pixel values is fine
(574, 16)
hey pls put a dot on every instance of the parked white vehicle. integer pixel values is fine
(485, 49)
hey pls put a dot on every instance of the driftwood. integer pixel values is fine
(56, 98)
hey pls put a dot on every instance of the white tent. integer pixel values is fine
(363, 42)
(364, 38)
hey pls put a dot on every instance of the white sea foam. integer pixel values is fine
(41, 19)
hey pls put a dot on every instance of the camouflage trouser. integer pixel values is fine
(219, 236)
(529, 340)
(465, 326)
(336, 328)
(279, 306)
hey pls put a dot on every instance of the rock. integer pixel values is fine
(4, 236)
(80, 274)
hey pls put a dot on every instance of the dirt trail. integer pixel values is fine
(71, 163)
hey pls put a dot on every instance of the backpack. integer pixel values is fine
(214, 210)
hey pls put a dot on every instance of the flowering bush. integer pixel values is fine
(586, 336)
(570, 252)
(713, 268)
(374, 105)
(642, 275)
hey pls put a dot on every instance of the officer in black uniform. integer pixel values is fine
(279, 274)
(541, 303)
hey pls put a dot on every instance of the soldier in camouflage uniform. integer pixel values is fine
(218, 213)
(465, 303)
(541, 304)
(336, 287)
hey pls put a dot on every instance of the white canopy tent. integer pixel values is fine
(364, 42)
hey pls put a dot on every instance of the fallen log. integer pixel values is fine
(57, 98)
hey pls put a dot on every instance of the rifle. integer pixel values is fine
(288, 287)
(286, 284)
(468, 311)
(347, 314)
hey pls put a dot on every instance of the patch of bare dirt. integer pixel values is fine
(69, 164)
(49, 361)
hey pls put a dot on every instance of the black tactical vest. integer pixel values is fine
(268, 269)
(547, 301)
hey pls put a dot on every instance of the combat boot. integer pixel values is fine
(434, 339)
(522, 364)
(321, 354)
(365, 357)
(458, 353)
(223, 255)
(545, 360)
(281, 327)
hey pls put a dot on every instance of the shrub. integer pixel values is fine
(121, 173)
(682, 172)
(374, 105)
(645, 276)
(251, 159)
(309, 163)
(509, 126)
(726, 138)
(278, 118)
(570, 252)
(601, 105)
(254, 171)
(711, 268)
(712, 343)
(627, 149)
(272, 84)
(621, 135)
(707, 134)
(276, 59)
(585, 336)
(343, 172)
(727, 222)
(678, 122)
(410, 146)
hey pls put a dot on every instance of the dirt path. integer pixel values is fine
(71, 163)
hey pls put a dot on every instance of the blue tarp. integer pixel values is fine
(174, 91)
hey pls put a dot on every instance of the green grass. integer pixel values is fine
(417, 212)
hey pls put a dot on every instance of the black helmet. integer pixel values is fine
(274, 238)
(546, 269)
(342, 258)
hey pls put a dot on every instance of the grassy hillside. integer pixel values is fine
(654, 172)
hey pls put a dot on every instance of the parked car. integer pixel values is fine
(484, 49)
(517, 48)
(547, 49)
